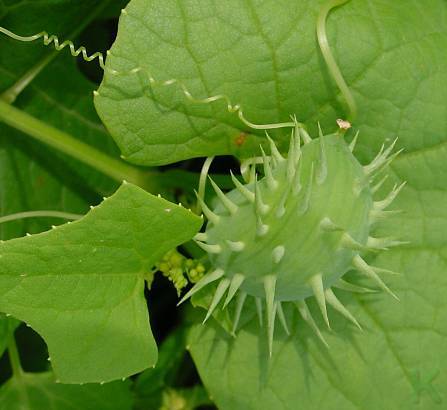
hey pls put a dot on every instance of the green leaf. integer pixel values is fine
(81, 285)
(265, 56)
(208, 44)
(38, 391)
(390, 55)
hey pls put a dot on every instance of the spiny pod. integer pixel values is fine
(295, 232)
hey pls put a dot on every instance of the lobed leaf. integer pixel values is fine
(81, 285)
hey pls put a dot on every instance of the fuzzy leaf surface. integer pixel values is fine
(81, 285)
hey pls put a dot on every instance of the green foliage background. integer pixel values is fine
(264, 55)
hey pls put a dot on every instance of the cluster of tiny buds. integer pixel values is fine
(179, 269)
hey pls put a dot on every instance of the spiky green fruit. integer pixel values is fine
(294, 233)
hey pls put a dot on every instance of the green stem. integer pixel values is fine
(114, 168)
(39, 214)
(329, 58)
(14, 358)
(11, 94)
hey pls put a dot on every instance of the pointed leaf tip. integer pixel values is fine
(274, 150)
(282, 318)
(261, 208)
(332, 300)
(239, 306)
(269, 288)
(221, 289)
(305, 136)
(322, 170)
(258, 303)
(227, 203)
(354, 141)
(206, 280)
(250, 196)
(316, 284)
(271, 182)
(235, 284)
(307, 317)
(210, 215)
(369, 271)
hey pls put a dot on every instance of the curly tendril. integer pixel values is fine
(48, 39)
(75, 52)
(231, 108)
(332, 66)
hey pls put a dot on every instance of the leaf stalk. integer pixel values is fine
(65, 143)
(14, 358)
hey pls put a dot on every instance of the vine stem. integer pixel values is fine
(14, 358)
(13, 92)
(114, 168)
(333, 68)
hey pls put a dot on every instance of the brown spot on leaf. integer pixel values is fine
(240, 139)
